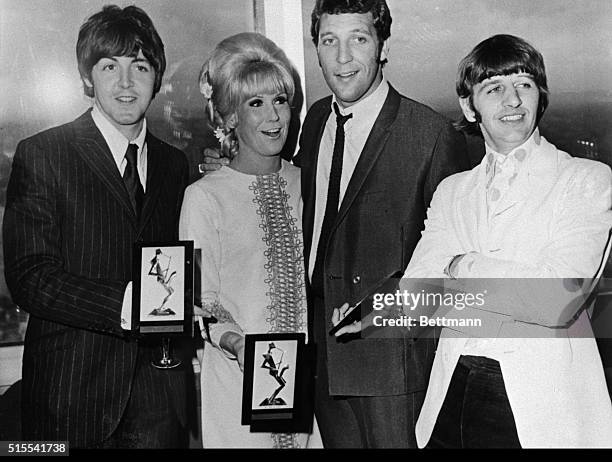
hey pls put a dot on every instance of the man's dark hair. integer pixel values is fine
(378, 8)
(500, 55)
(119, 32)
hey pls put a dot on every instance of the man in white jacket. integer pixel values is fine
(537, 221)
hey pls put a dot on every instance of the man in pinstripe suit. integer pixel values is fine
(69, 229)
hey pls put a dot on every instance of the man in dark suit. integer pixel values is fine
(80, 195)
(386, 154)
(371, 160)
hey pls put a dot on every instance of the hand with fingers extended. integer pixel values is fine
(358, 325)
(212, 161)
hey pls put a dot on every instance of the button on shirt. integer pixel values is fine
(118, 143)
(356, 133)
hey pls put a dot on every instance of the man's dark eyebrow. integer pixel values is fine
(488, 82)
(491, 80)
(135, 59)
(362, 30)
(352, 31)
(497, 78)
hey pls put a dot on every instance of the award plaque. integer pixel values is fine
(277, 391)
(162, 297)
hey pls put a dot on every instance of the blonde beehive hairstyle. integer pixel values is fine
(240, 67)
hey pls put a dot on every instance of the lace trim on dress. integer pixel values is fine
(285, 441)
(285, 268)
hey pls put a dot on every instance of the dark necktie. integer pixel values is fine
(333, 197)
(131, 178)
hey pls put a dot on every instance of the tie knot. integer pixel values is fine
(131, 153)
(341, 119)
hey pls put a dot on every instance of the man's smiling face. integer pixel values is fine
(508, 109)
(123, 90)
(348, 50)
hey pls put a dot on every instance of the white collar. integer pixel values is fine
(517, 157)
(116, 141)
(369, 105)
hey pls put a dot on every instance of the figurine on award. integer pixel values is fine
(272, 361)
(160, 271)
(163, 294)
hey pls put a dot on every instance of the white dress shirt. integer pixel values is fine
(118, 143)
(356, 132)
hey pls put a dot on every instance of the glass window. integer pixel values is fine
(429, 38)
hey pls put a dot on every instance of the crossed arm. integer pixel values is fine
(548, 290)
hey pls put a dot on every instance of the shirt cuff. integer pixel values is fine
(464, 267)
(456, 260)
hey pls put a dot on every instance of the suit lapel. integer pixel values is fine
(516, 194)
(309, 176)
(155, 178)
(372, 149)
(91, 146)
(541, 169)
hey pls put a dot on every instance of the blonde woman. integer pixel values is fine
(246, 219)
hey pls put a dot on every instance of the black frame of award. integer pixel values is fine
(166, 322)
(272, 414)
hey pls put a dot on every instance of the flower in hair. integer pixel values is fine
(219, 134)
(206, 89)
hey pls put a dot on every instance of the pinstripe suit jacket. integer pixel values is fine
(68, 235)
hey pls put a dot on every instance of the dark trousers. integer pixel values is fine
(150, 420)
(476, 412)
(360, 421)
(366, 421)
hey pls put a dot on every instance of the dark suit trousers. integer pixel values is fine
(360, 421)
(476, 412)
(150, 420)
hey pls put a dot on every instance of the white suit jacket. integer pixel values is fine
(552, 223)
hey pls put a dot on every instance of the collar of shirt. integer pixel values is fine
(357, 130)
(365, 112)
(509, 165)
(118, 143)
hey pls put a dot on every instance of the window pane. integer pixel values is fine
(429, 38)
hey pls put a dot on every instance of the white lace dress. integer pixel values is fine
(249, 230)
